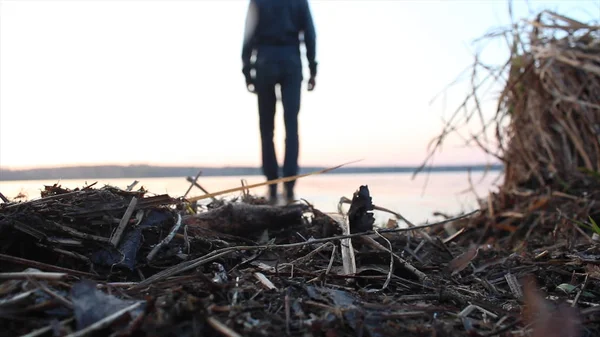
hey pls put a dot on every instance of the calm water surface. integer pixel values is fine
(445, 192)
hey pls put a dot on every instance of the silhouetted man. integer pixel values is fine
(273, 34)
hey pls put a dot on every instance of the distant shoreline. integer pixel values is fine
(148, 171)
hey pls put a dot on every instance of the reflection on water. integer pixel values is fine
(445, 192)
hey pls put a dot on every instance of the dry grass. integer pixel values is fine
(552, 98)
(547, 122)
(546, 126)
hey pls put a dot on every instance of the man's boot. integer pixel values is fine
(272, 195)
(289, 194)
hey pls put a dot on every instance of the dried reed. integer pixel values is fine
(547, 121)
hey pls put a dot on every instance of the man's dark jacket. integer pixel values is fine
(275, 35)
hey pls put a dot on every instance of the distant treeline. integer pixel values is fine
(147, 171)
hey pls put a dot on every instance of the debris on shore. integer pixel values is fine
(113, 262)
(121, 262)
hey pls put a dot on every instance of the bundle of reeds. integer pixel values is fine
(552, 97)
(546, 126)
(547, 121)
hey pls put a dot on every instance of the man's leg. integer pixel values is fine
(290, 96)
(265, 89)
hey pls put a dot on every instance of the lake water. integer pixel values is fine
(444, 192)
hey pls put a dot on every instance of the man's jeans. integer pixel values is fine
(288, 74)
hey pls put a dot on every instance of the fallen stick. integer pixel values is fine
(36, 275)
(44, 266)
(348, 258)
(80, 235)
(48, 328)
(51, 293)
(265, 281)
(130, 187)
(16, 299)
(114, 240)
(417, 273)
(242, 219)
(45, 199)
(106, 321)
(166, 240)
(221, 328)
(192, 183)
(269, 182)
(389, 275)
(195, 183)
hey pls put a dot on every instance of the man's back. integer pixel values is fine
(280, 22)
(277, 30)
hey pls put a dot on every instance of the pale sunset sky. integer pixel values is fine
(160, 82)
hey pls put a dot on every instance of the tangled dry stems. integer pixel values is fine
(546, 125)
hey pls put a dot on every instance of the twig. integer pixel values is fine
(265, 281)
(269, 182)
(105, 322)
(245, 192)
(471, 307)
(403, 314)
(389, 276)
(348, 259)
(12, 301)
(312, 253)
(574, 304)
(36, 275)
(124, 221)
(48, 291)
(130, 187)
(39, 235)
(4, 199)
(454, 236)
(221, 328)
(166, 240)
(415, 298)
(186, 239)
(44, 266)
(330, 265)
(47, 328)
(45, 199)
(115, 284)
(419, 274)
(192, 183)
(74, 255)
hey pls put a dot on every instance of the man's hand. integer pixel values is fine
(250, 86)
(311, 83)
(249, 80)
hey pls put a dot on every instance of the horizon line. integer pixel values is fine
(190, 166)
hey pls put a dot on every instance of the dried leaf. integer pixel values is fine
(461, 262)
(593, 271)
(543, 201)
(392, 223)
(571, 289)
(567, 288)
